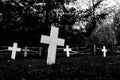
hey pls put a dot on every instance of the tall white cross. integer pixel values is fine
(104, 50)
(53, 41)
(67, 49)
(25, 51)
(14, 49)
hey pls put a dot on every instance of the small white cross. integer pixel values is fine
(53, 41)
(25, 51)
(104, 50)
(14, 49)
(67, 49)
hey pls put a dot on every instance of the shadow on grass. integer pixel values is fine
(75, 68)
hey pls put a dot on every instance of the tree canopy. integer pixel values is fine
(79, 24)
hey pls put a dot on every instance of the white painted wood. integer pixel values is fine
(104, 50)
(53, 41)
(67, 50)
(14, 49)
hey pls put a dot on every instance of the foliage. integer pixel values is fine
(34, 17)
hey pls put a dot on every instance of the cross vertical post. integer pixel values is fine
(40, 51)
(94, 49)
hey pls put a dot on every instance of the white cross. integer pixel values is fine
(53, 41)
(68, 50)
(104, 51)
(25, 51)
(14, 49)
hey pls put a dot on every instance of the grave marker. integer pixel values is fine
(67, 49)
(53, 41)
(25, 51)
(14, 49)
(104, 50)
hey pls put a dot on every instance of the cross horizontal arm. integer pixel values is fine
(61, 42)
(45, 39)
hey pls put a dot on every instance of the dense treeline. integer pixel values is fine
(25, 20)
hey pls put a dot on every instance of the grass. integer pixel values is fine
(73, 68)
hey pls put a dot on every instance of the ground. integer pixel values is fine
(87, 67)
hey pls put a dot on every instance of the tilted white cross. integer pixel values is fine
(25, 51)
(14, 49)
(67, 49)
(53, 41)
(104, 50)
